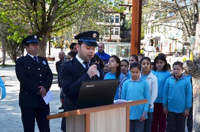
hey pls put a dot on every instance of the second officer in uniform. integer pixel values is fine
(35, 79)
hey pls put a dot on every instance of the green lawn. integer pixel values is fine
(55, 74)
(7, 65)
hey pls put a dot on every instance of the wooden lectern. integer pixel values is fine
(107, 118)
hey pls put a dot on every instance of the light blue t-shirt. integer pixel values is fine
(161, 78)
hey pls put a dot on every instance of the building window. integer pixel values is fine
(116, 19)
(116, 31)
(112, 31)
(112, 19)
(107, 18)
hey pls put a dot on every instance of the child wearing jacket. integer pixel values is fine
(177, 99)
(147, 75)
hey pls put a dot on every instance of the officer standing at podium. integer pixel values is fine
(74, 72)
(35, 79)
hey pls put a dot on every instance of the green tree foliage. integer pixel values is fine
(13, 48)
(43, 17)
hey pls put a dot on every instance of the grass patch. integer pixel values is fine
(55, 74)
(7, 65)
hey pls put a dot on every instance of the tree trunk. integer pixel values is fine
(42, 46)
(3, 50)
(193, 68)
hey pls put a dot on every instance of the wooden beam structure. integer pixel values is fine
(136, 26)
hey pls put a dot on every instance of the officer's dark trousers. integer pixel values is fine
(175, 122)
(29, 114)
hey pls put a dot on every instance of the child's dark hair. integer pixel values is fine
(124, 60)
(101, 63)
(168, 66)
(145, 58)
(162, 54)
(119, 67)
(135, 57)
(135, 65)
(178, 63)
(141, 55)
(152, 63)
(161, 57)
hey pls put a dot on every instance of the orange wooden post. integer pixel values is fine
(136, 26)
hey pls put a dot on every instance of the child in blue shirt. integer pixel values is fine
(133, 89)
(115, 73)
(147, 75)
(177, 99)
(124, 68)
(160, 71)
(2, 89)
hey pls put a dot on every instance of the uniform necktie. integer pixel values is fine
(35, 58)
(86, 65)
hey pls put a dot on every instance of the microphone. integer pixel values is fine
(92, 62)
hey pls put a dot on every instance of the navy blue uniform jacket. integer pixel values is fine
(31, 75)
(72, 74)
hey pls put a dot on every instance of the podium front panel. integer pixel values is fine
(108, 121)
(75, 123)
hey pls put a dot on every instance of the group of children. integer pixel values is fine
(169, 95)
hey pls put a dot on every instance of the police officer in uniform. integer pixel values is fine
(35, 79)
(77, 70)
